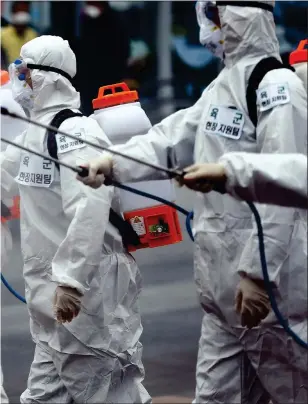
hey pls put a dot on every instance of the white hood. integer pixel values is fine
(248, 32)
(51, 90)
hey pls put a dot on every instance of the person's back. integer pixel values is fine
(67, 241)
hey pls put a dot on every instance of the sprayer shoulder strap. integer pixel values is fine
(257, 75)
(5, 211)
(57, 121)
(128, 234)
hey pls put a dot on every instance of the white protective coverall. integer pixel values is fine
(226, 241)
(4, 398)
(9, 130)
(278, 180)
(65, 232)
(6, 246)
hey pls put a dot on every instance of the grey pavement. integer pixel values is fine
(171, 319)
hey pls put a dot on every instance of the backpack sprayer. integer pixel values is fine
(172, 173)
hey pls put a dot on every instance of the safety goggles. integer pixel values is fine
(253, 4)
(211, 8)
(211, 12)
(19, 68)
(22, 69)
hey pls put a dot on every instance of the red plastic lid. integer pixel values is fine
(300, 54)
(4, 77)
(115, 94)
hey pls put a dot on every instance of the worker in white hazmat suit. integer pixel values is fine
(6, 246)
(273, 179)
(9, 130)
(236, 364)
(4, 397)
(72, 255)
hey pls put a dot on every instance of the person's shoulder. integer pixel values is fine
(282, 76)
(85, 125)
(31, 33)
(73, 124)
(279, 87)
(208, 88)
(7, 28)
(6, 31)
(84, 128)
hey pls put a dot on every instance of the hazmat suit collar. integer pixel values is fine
(248, 32)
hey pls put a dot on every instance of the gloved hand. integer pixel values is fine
(251, 302)
(98, 169)
(66, 303)
(204, 178)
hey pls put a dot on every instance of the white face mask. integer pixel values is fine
(21, 91)
(92, 11)
(210, 34)
(121, 5)
(21, 18)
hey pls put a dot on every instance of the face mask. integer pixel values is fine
(210, 34)
(21, 91)
(92, 11)
(23, 94)
(121, 5)
(21, 18)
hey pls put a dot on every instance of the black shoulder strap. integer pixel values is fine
(57, 121)
(5, 211)
(128, 234)
(260, 70)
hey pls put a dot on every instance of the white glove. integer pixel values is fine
(99, 169)
(204, 178)
(251, 302)
(66, 304)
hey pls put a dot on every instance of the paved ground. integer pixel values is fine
(171, 319)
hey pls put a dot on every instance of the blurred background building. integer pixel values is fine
(153, 46)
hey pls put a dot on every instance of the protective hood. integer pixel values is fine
(51, 89)
(247, 32)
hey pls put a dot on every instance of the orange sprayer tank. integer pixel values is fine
(4, 78)
(299, 59)
(120, 115)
